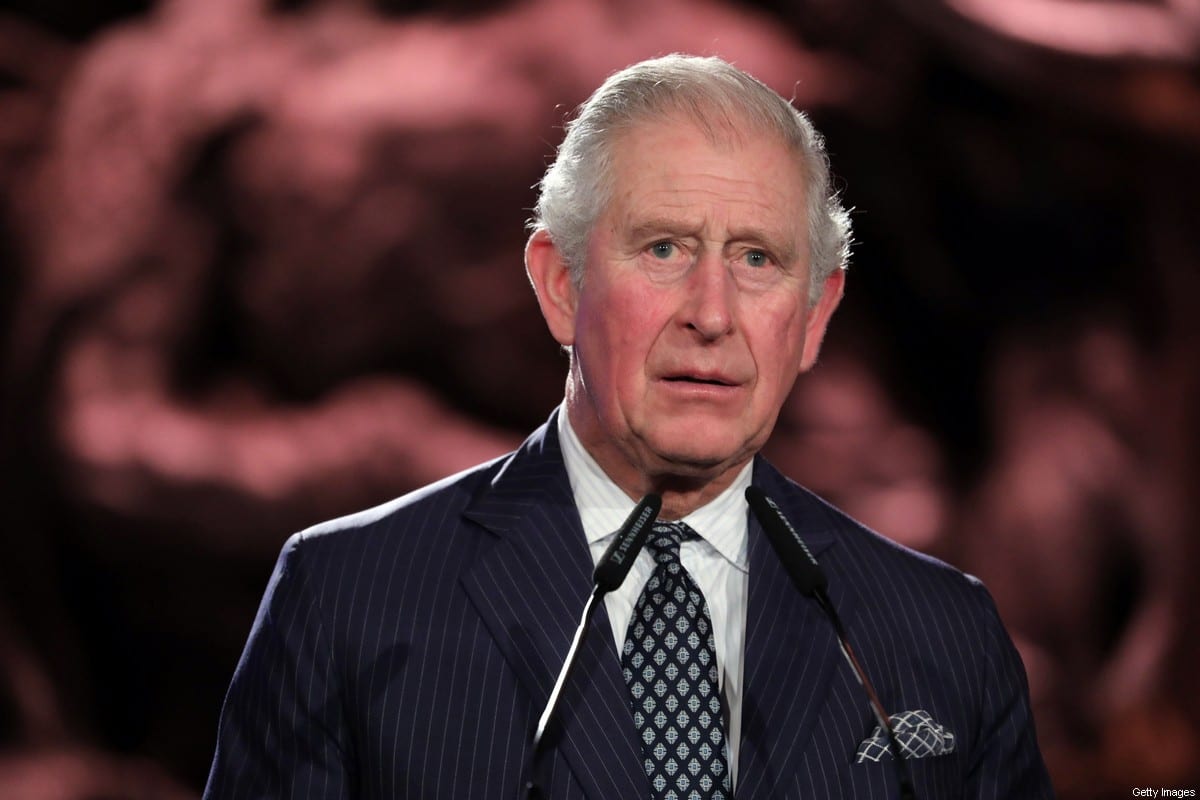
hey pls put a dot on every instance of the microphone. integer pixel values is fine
(797, 559)
(609, 574)
(811, 581)
(614, 565)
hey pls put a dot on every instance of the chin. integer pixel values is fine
(688, 460)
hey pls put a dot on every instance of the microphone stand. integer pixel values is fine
(610, 573)
(811, 580)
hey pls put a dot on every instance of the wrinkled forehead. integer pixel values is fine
(665, 145)
(671, 177)
(645, 141)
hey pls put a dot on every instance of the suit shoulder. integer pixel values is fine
(876, 563)
(430, 505)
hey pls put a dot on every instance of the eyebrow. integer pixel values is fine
(656, 226)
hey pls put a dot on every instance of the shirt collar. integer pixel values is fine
(603, 506)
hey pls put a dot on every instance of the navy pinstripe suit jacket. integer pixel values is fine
(407, 651)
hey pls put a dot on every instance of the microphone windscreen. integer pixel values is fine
(631, 537)
(797, 560)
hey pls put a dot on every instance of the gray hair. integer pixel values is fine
(720, 99)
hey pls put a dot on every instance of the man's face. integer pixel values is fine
(693, 321)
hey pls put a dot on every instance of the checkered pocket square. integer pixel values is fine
(916, 733)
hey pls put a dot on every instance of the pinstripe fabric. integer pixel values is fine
(928, 636)
(405, 652)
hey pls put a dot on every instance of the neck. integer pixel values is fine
(684, 487)
(681, 496)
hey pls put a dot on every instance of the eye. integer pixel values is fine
(663, 250)
(757, 258)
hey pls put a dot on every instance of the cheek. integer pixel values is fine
(777, 347)
(616, 333)
(633, 319)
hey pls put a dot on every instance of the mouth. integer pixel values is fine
(698, 380)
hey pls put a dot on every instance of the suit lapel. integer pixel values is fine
(791, 651)
(530, 587)
(530, 583)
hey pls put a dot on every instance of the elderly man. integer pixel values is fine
(688, 252)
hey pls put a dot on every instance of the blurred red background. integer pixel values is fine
(262, 266)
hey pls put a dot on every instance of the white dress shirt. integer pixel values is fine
(718, 561)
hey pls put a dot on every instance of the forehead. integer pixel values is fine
(671, 167)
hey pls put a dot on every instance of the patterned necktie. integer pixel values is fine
(670, 666)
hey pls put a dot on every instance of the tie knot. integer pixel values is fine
(665, 538)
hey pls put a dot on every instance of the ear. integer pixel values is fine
(819, 316)
(551, 279)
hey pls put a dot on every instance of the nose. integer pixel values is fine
(711, 294)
